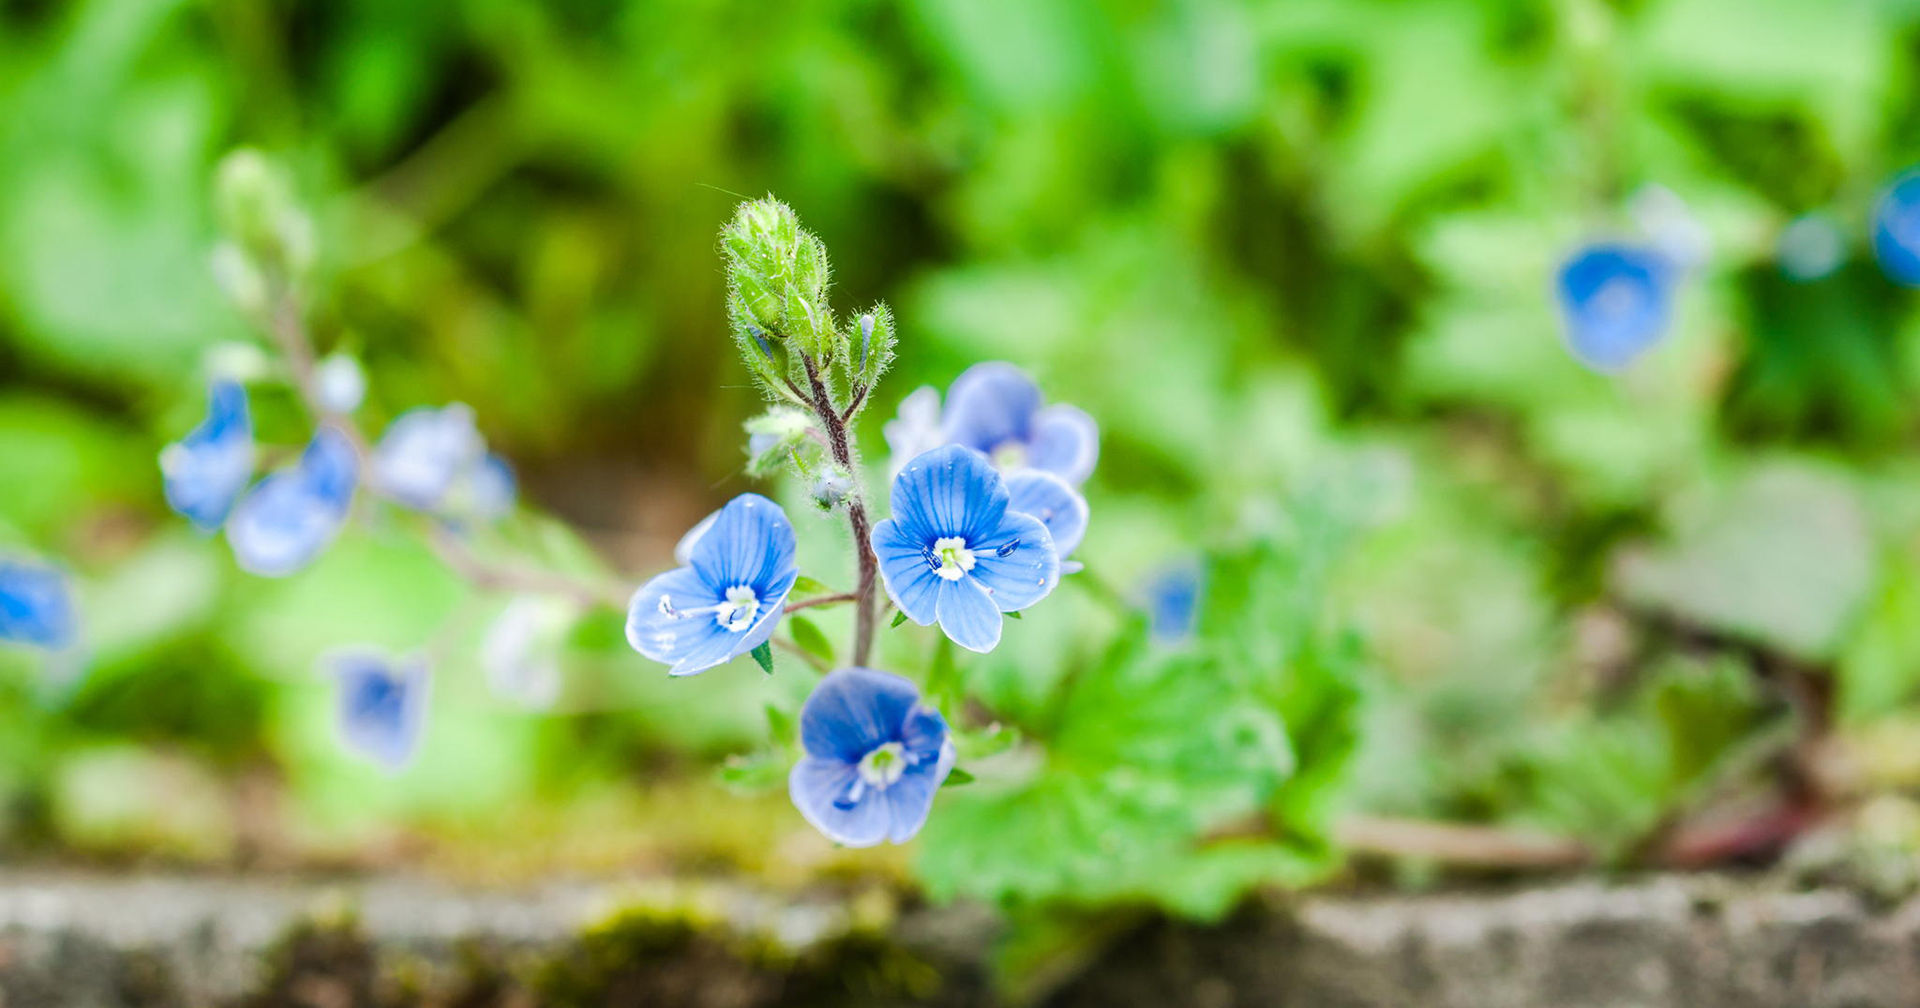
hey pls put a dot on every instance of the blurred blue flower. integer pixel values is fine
(1616, 300)
(36, 605)
(915, 428)
(954, 552)
(204, 472)
(289, 517)
(994, 408)
(1058, 506)
(727, 599)
(874, 757)
(1896, 230)
(435, 460)
(382, 705)
(1173, 602)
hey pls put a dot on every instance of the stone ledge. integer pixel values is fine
(1697, 942)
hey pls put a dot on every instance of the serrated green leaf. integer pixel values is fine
(810, 638)
(764, 655)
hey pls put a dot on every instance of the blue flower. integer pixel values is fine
(424, 453)
(874, 757)
(1058, 506)
(915, 428)
(381, 705)
(727, 599)
(289, 517)
(205, 471)
(36, 606)
(994, 408)
(1173, 602)
(1616, 300)
(954, 552)
(1896, 230)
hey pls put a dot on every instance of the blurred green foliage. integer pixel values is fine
(1295, 257)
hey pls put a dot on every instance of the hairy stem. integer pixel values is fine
(848, 459)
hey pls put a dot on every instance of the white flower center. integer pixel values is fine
(884, 765)
(951, 558)
(737, 612)
(1008, 455)
(1616, 300)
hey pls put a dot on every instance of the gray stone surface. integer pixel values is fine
(1696, 942)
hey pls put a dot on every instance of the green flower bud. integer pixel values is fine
(869, 346)
(256, 209)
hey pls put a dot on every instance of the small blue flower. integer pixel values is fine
(36, 606)
(994, 408)
(954, 552)
(1896, 230)
(874, 757)
(915, 428)
(341, 383)
(205, 471)
(729, 596)
(1058, 506)
(382, 705)
(1173, 602)
(289, 517)
(424, 453)
(1616, 300)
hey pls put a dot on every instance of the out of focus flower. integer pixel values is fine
(204, 472)
(915, 429)
(1811, 247)
(1616, 301)
(435, 460)
(36, 605)
(727, 599)
(521, 652)
(1058, 506)
(1896, 230)
(1173, 602)
(342, 385)
(874, 757)
(289, 517)
(954, 552)
(381, 705)
(994, 408)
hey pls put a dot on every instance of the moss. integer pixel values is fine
(319, 962)
(646, 956)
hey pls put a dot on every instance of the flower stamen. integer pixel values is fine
(950, 558)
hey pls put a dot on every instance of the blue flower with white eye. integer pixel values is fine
(1896, 230)
(955, 552)
(381, 705)
(994, 408)
(36, 606)
(1058, 506)
(289, 517)
(1616, 301)
(205, 471)
(1173, 602)
(875, 755)
(727, 599)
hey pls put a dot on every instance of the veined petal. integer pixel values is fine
(853, 711)
(908, 578)
(683, 550)
(381, 705)
(1055, 502)
(1066, 441)
(910, 798)
(750, 544)
(820, 789)
(669, 633)
(1026, 572)
(950, 491)
(991, 404)
(968, 615)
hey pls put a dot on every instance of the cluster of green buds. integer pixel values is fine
(777, 281)
(267, 238)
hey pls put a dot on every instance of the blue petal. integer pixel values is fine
(820, 787)
(671, 638)
(204, 472)
(36, 606)
(949, 491)
(1066, 441)
(330, 468)
(910, 798)
(854, 711)
(904, 570)
(1017, 564)
(422, 453)
(968, 615)
(990, 405)
(381, 705)
(915, 428)
(750, 543)
(1615, 300)
(1173, 601)
(1896, 230)
(1056, 503)
(280, 526)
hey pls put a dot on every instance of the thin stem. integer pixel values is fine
(820, 601)
(845, 456)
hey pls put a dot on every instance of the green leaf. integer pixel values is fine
(810, 638)
(764, 655)
(956, 777)
(781, 727)
(1014, 615)
(898, 618)
(805, 587)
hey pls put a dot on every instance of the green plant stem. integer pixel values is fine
(844, 455)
